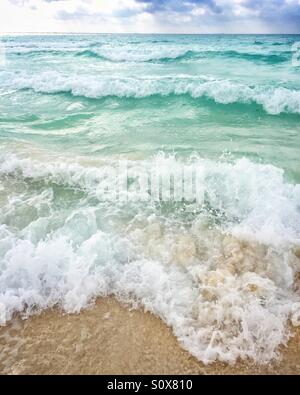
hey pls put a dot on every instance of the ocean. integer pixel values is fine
(79, 112)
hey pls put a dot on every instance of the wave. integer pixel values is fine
(250, 179)
(90, 53)
(132, 55)
(196, 280)
(151, 57)
(32, 53)
(254, 57)
(274, 100)
(161, 41)
(95, 51)
(154, 53)
(173, 55)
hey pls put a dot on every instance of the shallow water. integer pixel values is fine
(222, 271)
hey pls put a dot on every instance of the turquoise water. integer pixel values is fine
(220, 273)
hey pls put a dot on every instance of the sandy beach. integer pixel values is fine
(110, 338)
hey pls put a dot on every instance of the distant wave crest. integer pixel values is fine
(155, 54)
(179, 55)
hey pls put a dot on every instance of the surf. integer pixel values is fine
(221, 271)
(274, 100)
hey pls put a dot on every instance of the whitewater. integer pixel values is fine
(223, 273)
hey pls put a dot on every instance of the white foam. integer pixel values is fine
(129, 53)
(75, 107)
(256, 195)
(226, 289)
(274, 100)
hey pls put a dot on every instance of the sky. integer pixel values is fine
(150, 16)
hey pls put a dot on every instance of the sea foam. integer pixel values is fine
(223, 279)
(274, 100)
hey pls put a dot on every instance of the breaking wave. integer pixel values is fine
(224, 280)
(274, 100)
(161, 55)
(154, 54)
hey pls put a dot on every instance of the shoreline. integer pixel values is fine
(111, 338)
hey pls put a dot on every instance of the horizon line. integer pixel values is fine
(157, 33)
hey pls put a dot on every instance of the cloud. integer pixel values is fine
(155, 6)
(145, 16)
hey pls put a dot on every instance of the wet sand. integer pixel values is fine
(110, 338)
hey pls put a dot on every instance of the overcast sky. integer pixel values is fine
(148, 16)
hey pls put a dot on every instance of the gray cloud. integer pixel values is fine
(280, 12)
(274, 15)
